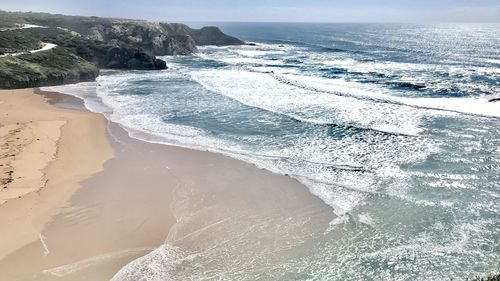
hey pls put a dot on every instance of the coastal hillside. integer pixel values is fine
(52, 67)
(93, 42)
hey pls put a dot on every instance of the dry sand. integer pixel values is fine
(44, 153)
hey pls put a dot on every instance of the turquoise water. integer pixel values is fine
(387, 124)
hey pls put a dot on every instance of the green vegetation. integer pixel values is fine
(8, 20)
(85, 43)
(99, 53)
(57, 66)
(75, 59)
(12, 41)
(75, 23)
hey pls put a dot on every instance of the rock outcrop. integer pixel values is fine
(212, 35)
(154, 38)
(90, 43)
(160, 38)
(124, 58)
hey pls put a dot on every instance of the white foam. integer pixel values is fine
(246, 61)
(391, 67)
(495, 61)
(307, 159)
(259, 52)
(327, 165)
(154, 266)
(475, 106)
(85, 91)
(258, 49)
(246, 55)
(366, 219)
(263, 91)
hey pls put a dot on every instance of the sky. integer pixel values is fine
(272, 10)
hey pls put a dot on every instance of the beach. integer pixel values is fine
(106, 199)
(137, 149)
(39, 152)
(46, 152)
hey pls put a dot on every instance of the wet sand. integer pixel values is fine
(134, 205)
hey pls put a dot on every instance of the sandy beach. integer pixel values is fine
(45, 152)
(99, 199)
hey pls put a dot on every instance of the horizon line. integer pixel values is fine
(264, 21)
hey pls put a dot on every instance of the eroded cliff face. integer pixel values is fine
(85, 44)
(160, 38)
(153, 38)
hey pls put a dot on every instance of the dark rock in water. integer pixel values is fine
(160, 64)
(408, 85)
(494, 100)
(124, 58)
(252, 44)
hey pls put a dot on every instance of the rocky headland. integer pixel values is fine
(86, 44)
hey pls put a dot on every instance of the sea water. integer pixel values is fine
(390, 125)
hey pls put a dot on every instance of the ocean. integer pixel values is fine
(390, 125)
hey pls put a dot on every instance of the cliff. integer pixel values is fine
(154, 38)
(101, 42)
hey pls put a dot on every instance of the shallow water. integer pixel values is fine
(389, 125)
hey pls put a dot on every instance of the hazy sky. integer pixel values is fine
(272, 10)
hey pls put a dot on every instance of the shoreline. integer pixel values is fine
(139, 201)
